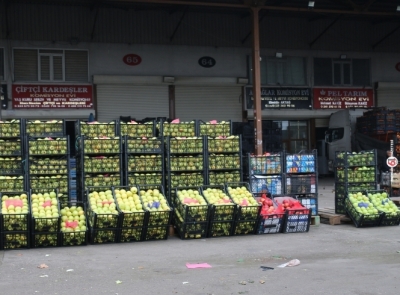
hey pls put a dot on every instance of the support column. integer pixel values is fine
(257, 84)
(171, 96)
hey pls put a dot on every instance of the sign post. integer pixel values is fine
(391, 162)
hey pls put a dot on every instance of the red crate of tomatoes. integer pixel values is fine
(297, 217)
(272, 216)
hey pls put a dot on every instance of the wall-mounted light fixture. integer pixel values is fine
(168, 79)
(343, 56)
(278, 55)
(311, 4)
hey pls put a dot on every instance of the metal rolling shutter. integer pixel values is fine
(25, 65)
(208, 103)
(76, 65)
(388, 95)
(138, 102)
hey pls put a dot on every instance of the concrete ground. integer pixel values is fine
(340, 259)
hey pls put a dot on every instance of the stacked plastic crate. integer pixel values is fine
(12, 156)
(99, 156)
(301, 178)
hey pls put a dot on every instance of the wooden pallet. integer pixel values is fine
(328, 216)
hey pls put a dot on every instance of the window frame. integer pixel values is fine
(51, 66)
(342, 63)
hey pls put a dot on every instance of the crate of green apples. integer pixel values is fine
(11, 128)
(222, 208)
(12, 183)
(144, 163)
(223, 162)
(45, 128)
(176, 128)
(247, 206)
(45, 210)
(10, 147)
(218, 178)
(102, 164)
(103, 236)
(11, 165)
(144, 145)
(362, 158)
(102, 180)
(15, 213)
(184, 145)
(214, 128)
(189, 230)
(96, 129)
(60, 182)
(361, 211)
(130, 207)
(14, 240)
(189, 162)
(48, 165)
(102, 209)
(381, 200)
(191, 205)
(186, 179)
(73, 228)
(135, 129)
(48, 146)
(223, 144)
(100, 145)
(144, 178)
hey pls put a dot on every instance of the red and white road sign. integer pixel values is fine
(392, 162)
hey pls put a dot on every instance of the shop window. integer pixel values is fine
(2, 64)
(338, 72)
(286, 71)
(51, 65)
(295, 136)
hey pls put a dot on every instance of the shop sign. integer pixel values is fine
(343, 98)
(132, 59)
(52, 96)
(280, 98)
(207, 61)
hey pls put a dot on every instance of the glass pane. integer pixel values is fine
(337, 74)
(57, 68)
(285, 132)
(296, 73)
(298, 145)
(346, 74)
(322, 71)
(361, 72)
(45, 67)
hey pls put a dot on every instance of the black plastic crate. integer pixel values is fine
(176, 129)
(44, 240)
(12, 128)
(14, 221)
(310, 201)
(100, 146)
(102, 164)
(271, 223)
(354, 159)
(98, 219)
(301, 163)
(59, 182)
(297, 220)
(358, 175)
(223, 211)
(185, 163)
(45, 222)
(152, 233)
(245, 227)
(96, 129)
(266, 164)
(49, 165)
(11, 147)
(180, 145)
(218, 178)
(130, 218)
(214, 128)
(73, 234)
(144, 163)
(15, 240)
(359, 219)
(135, 129)
(245, 211)
(230, 144)
(132, 234)
(45, 128)
(301, 184)
(103, 236)
(382, 198)
(190, 230)
(190, 213)
(342, 190)
(101, 180)
(14, 183)
(185, 179)
(220, 228)
(224, 162)
(144, 178)
(144, 145)
(156, 217)
(38, 146)
(11, 166)
(273, 184)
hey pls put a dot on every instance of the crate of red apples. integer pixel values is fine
(272, 216)
(297, 217)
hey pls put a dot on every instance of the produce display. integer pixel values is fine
(220, 228)
(45, 128)
(15, 212)
(12, 183)
(156, 233)
(363, 158)
(178, 163)
(176, 128)
(103, 211)
(11, 165)
(381, 200)
(96, 129)
(156, 203)
(361, 210)
(145, 178)
(297, 217)
(186, 145)
(356, 174)
(133, 234)
(217, 178)
(191, 205)
(48, 165)
(102, 164)
(45, 212)
(103, 145)
(224, 144)
(73, 225)
(222, 207)
(342, 189)
(214, 128)
(48, 146)
(247, 206)
(10, 128)
(145, 163)
(10, 147)
(223, 162)
(189, 230)
(60, 182)
(102, 180)
(144, 145)
(15, 240)
(272, 216)
(134, 129)
(103, 236)
(186, 179)
(130, 206)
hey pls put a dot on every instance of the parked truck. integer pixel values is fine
(342, 135)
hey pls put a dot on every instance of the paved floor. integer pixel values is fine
(337, 259)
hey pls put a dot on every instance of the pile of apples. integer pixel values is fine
(145, 163)
(102, 204)
(47, 165)
(197, 208)
(47, 182)
(73, 224)
(136, 145)
(156, 203)
(186, 179)
(129, 203)
(48, 146)
(248, 206)
(102, 180)
(363, 158)
(224, 208)
(186, 163)
(268, 208)
(15, 210)
(186, 145)
(185, 129)
(214, 128)
(289, 204)
(11, 183)
(192, 230)
(361, 204)
(10, 147)
(39, 128)
(10, 128)
(144, 178)
(224, 144)
(102, 145)
(96, 129)
(222, 161)
(45, 211)
(218, 178)
(383, 203)
(101, 164)
(10, 165)
(134, 129)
